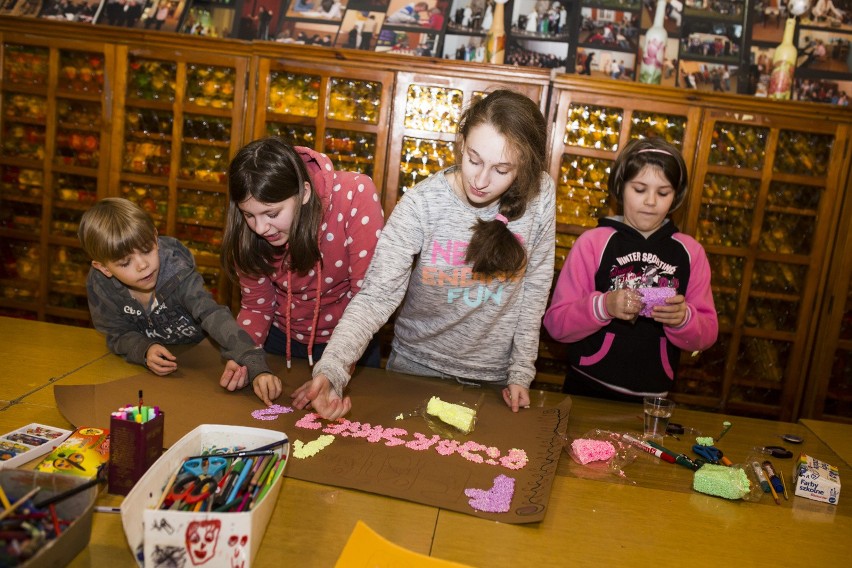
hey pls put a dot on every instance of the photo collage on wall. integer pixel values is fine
(712, 45)
(823, 35)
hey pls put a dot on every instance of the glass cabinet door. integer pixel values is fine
(53, 160)
(427, 109)
(764, 182)
(178, 123)
(343, 113)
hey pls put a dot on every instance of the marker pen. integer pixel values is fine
(758, 471)
(773, 477)
(645, 447)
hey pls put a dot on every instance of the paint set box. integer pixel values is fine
(193, 538)
(817, 480)
(28, 443)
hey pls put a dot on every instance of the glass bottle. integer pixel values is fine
(495, 40)
(651, 68)
(783, 64)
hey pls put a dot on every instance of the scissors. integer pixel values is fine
(191, 490)
(710, 454)
(776, 451)
(211, 466)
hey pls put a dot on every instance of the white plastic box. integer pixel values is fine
(164, 537)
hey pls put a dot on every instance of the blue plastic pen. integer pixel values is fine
(240, 479)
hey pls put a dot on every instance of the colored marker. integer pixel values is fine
(773, 477)
(680, 459)
(771, 486)
(758, 471)
(648, 448)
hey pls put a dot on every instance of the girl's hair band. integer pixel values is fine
(502, 218)
(667, 153)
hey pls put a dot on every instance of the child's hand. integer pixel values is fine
(235, 376)
(267, 387)
(516, 397)
(624, 304)
(319, 393)
(159, 360)
(673, 313)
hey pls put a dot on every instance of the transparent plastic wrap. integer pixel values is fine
(602, 450)
(738, 481)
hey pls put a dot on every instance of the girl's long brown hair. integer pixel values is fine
(271, 171)
(493, 249)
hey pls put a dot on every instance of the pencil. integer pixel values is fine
(168, 488)
(784, 484)
(4, 499)
(771, 488)
(19, 502)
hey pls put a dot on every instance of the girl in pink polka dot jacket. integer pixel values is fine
(468, 252)
(299, 237)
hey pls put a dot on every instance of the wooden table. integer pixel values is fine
(594, 517)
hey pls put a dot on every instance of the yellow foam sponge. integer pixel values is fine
(455, 415)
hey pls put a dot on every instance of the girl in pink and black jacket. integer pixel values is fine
(634, 291)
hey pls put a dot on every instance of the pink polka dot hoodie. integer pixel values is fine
(351, 225)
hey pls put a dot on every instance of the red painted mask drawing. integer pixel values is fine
(238, 554)
(201, 538)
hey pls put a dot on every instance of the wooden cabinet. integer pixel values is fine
(339, 110)
(828, 395)
(54, 162)
(764, 183)
(428, 103)
(178, 121)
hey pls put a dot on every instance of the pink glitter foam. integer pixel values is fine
(270, 413)
(587, 450)
(654, 297)
(498, 499)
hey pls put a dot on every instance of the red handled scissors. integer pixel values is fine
(191, 491)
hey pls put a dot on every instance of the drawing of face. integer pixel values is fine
(201, 538)
(238, 555)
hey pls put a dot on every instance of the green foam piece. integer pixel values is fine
(721, 481)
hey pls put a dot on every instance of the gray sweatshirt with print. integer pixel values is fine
(452, 321)
(185, 310)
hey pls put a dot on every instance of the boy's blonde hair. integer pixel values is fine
(114, 228)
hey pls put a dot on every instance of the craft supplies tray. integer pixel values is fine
(75, 512)
(200, 537)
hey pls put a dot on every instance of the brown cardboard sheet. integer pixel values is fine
(390, 466)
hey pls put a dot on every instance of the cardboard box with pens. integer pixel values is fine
(172, 510)
(136, 443)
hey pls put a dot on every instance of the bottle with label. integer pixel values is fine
(783, 64)
(651, 67)
(495, 41)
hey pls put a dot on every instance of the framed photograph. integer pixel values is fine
(67, 11)
(158, 15)
(464, 47)
(614, 4)
(209, 18)
(768, 19)
(259, 19)
(541, 19)
(331, 10)
(360, 30)
(24, 8)
(703, 76)
(711, 39)
(822, 91)
(673, 19)
(824, 51)
(471, 16)
(536, 53)
(608, 29)
(423, 14)
(728, 10)
(760, 67)
(307, 33)
(831, 14)
(403, 42)
(606, 63)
